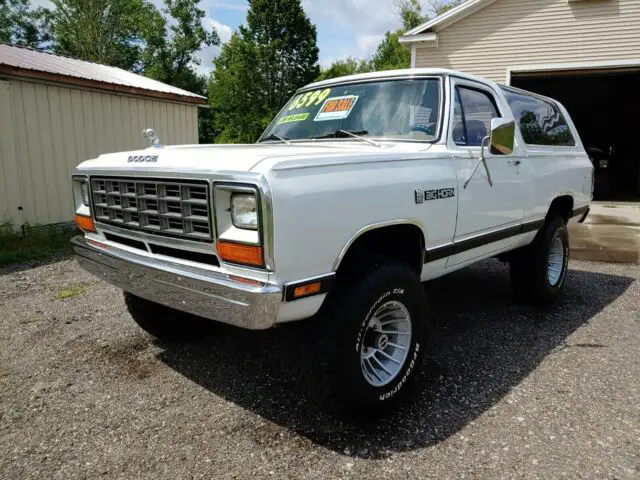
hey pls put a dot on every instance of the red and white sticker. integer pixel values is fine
(336, 108)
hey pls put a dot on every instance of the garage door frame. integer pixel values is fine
(572, 68)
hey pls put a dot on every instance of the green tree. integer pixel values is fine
(173, 58)
(22, 25)
(438, 7)
(410, 13)
(391, 54)
(240, 108)
(348, 66)
(207, 131)
(272, 56)
(111, 32)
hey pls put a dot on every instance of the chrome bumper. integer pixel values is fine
(201, 292)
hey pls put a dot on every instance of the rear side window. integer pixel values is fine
(472, 114)
(540, 122)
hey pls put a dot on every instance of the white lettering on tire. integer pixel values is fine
(396, 389)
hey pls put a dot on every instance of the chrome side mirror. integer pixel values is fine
(503, 133)
(500, 142)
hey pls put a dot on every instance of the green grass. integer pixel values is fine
(40, 244)
(71, 292)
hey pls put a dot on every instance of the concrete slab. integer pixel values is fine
(611, 233)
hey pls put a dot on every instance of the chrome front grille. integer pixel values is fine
(180, 208)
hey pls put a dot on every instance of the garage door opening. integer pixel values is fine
(606, 110)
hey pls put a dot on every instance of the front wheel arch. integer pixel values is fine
(402, 240)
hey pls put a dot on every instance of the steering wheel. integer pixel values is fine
(426, 129)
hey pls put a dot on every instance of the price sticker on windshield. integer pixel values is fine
(310, 99)
(336, 108)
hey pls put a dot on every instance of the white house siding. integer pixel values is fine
(510, 33)
(46, 130)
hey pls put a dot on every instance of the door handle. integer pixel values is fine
(515, 163)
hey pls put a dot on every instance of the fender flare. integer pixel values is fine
(375, 226)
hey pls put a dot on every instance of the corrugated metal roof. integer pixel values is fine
(37, 61)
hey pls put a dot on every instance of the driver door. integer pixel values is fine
(488, 215)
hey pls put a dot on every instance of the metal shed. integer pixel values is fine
(56, 112)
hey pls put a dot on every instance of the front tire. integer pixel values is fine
(377, 339)
(164, 323)
(538, 271)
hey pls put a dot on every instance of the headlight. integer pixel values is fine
(244, 212)
(81, 191)
(80, 186)
(84, 188)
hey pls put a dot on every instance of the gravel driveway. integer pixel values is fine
(508, 391)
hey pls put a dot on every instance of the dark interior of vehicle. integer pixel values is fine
(606, 110)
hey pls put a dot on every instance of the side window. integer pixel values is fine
(459, 131)
(472, 114)
(540, 122)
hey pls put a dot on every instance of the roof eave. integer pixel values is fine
(449, 17)
(422, 38)
(19, 72)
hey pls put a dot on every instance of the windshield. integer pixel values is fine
(394, 109)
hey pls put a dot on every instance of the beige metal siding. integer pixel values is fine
(10, 191)
(510, 33)
(46, 130)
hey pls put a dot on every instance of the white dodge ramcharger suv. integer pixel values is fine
(361, 188)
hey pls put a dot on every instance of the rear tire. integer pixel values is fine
(164, 323)
(538, 271)
(374, 340)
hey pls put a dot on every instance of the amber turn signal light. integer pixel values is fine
(305, 290)
(240, 253)
(85, 223)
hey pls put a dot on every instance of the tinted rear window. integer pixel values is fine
(540, 121)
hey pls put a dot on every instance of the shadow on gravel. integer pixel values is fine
(483, 346)
(23, 266)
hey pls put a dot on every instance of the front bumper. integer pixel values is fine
(201, 292)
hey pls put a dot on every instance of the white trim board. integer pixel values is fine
(449, 17)
(576, 66)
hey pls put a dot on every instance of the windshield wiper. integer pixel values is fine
(273, 136)
(357, 134)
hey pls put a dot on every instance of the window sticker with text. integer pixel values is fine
(309, 99)
(298, 117)
(336, 108)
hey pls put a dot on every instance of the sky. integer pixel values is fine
(345, 27)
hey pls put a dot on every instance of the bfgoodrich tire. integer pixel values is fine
(164, 323)
(538, 272)
(375, 339)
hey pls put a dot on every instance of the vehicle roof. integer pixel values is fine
(404, 73)
(417, 72)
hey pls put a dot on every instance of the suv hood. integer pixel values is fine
(239, 158)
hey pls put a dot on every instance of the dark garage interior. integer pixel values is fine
(606, 110)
